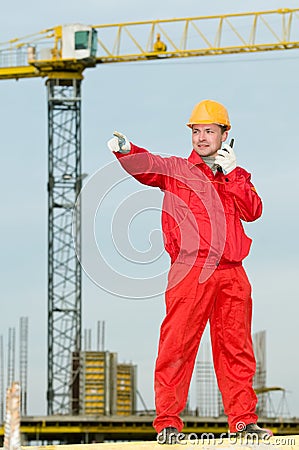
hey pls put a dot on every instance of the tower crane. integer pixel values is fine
(61, 55)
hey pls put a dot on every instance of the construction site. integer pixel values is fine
(104, 397)
(92, 396)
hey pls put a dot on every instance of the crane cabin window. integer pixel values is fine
(81, 40)
(94, 42)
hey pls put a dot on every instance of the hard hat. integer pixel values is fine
(209, 111)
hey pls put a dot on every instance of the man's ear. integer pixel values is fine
(224, 136)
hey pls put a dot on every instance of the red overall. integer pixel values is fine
(206, 242)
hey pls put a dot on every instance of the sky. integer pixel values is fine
(151, 103)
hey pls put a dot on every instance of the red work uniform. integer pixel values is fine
(204, 236)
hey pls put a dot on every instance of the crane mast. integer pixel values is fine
(64, 225)
(61, 54)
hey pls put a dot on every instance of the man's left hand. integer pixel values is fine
(226, 159)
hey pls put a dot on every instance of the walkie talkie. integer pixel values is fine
(231, 144)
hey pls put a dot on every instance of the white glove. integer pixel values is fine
(119, 143)
(226, 159)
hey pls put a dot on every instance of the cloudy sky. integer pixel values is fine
(150, 102)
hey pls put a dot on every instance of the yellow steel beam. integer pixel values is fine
(19, 72)
(118, 429)
(32, 72)
(109, 428)
(213, 51)
(265, 389)
(200, 36)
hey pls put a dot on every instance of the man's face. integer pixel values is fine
(207, 139)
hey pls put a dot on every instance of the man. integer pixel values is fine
(205, 198)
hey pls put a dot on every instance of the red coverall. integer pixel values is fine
(203, 235)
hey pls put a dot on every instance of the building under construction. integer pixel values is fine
(101, 386)
(103, 398)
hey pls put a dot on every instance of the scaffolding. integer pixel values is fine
(272, 401)
(23, 364)
(101, 335)
(208, 397)
(260, 377)
(87, 339)
(11, 356)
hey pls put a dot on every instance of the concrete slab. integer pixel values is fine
(274, 443)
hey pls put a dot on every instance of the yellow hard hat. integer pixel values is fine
(209, 111)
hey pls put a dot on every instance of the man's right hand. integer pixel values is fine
(119, 143)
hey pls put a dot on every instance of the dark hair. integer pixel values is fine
(223, 128)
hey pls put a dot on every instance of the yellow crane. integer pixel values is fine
(61, 54)
(66, 51)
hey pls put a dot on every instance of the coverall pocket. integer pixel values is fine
(240, 301)
(227, 200)
(193, 198)
(184, 193)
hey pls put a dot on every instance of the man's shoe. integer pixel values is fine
(168, 436)
(252, 429)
